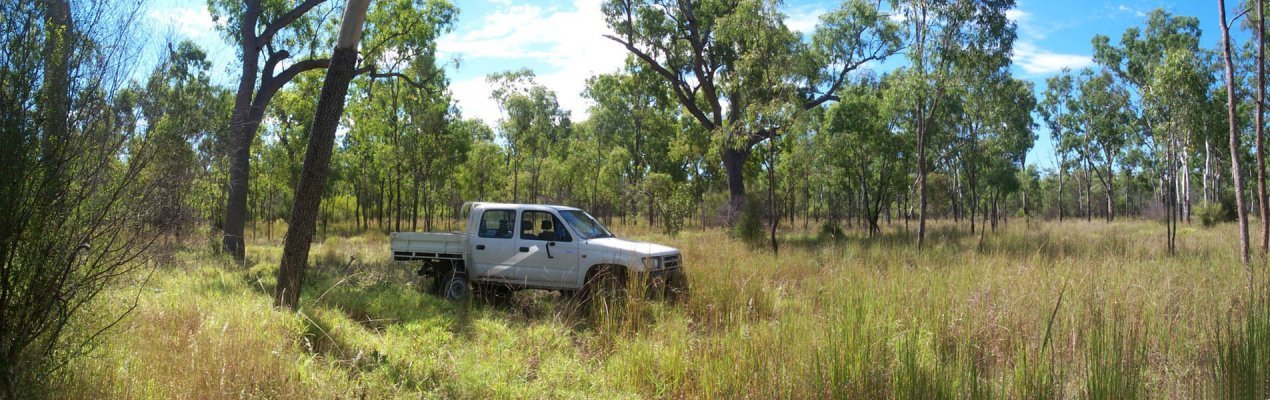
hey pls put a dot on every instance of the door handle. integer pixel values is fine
(480, 247)
(549, 246)
(524, 249)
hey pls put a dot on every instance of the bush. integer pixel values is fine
(1213, 213)
(749, 225)
(830, 231)
(1209, 213)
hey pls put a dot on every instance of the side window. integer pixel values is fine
(496, 224)
(541, 225)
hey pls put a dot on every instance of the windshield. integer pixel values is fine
(586, 226)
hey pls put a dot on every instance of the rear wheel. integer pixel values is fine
(454, 286)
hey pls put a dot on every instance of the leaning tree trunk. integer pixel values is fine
(1234, 140)
(308, 194)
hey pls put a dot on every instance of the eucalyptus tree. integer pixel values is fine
(1184, 114)
(433, 147)
(1257, 25)
(862, 145)
(994, 131)
(632, 111)
(481, 174)
(1105, 111)
(268, 30)
(533, 123)
(1057, 111)
(944, 33)
(1235, 172)
(737, 69)
(1140, 52)
(186, 116)
(271, 34)
(308, 192)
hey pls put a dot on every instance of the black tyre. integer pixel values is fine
(608, 284)
(677, 286)
(455, 286)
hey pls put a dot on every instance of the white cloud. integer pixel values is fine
(1015, 14)
(804, 20)
(1038, 61)
(570, 42)
(1026, 25)
(472, 96)
(192, 22)
(1129, 10)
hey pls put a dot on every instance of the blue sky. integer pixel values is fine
(562, 43)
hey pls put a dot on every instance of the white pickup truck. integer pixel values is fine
(508, 247)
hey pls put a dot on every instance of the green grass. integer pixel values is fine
(853, 318)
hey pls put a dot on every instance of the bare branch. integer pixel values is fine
(286, 19)
(676, 83)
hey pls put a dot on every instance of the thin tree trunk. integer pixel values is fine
(1208, 170)
(330, 107)
(1261, 151)
(773, 218)
(1062, 162)
(1235, 172)
(921, 179)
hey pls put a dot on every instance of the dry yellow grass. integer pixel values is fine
(860, 318)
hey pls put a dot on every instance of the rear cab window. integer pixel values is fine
(542, 225)
(497, 224)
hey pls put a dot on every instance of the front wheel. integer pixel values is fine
(607, 283)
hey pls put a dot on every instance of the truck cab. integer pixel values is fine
(509, 247)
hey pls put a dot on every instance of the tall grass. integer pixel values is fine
(1243, 352)
(848, 318)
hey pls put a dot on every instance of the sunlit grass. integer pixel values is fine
(826, 318)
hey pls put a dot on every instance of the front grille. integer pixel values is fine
(670, 261)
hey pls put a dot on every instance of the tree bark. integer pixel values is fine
(1234, 139)
(921, 179)
(1261, 151)
(733, 164)
(249, 109)
(308, 194)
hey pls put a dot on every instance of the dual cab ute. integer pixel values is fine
(508, 247)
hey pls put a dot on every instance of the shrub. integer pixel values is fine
(1212, 213)
(830, 231)
(749, 225)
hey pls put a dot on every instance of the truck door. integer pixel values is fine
(550, 252)
(494, 247)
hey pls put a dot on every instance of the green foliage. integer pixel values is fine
(1210, 214)
(674, 201)
(831, 231)
(750, 227)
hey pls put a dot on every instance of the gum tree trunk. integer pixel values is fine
(1261, 151)
(249, 109)
(317, 158)
(1235, 172)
